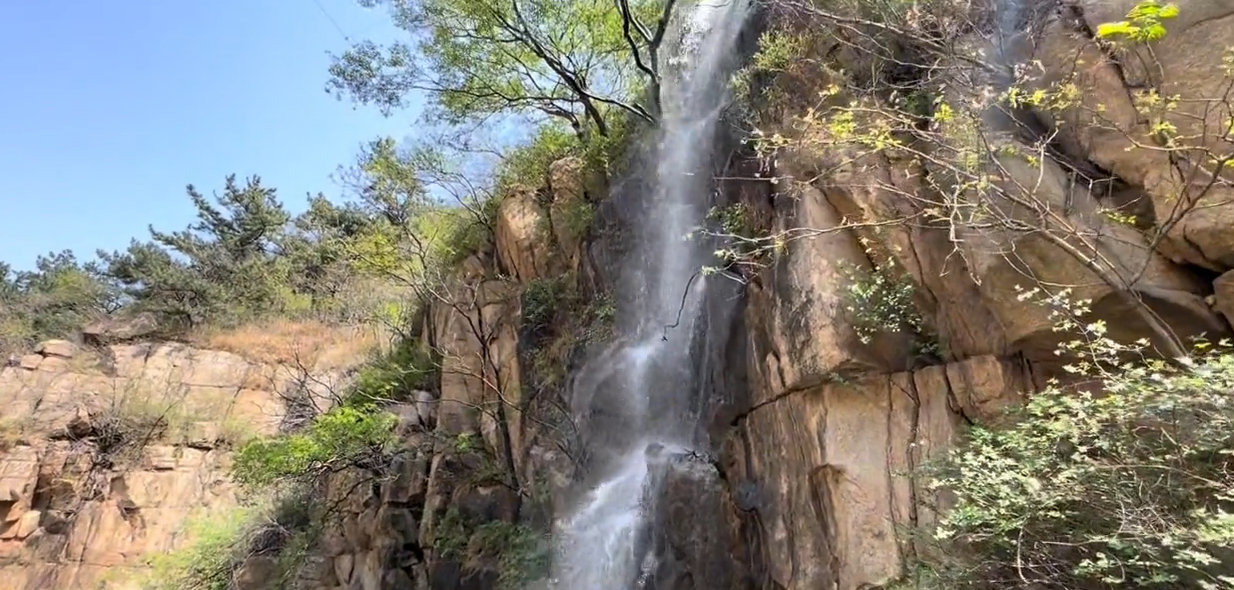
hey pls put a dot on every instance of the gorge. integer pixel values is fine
(820, 270)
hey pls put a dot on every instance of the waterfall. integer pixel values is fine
(648, 384)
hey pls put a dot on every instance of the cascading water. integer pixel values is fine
(649, 382)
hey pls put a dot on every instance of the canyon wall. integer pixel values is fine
(108, 451)
(814, 422)
(835, 418)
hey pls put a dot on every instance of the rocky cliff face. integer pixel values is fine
(107, 451)
(814, 421)
(835, 419)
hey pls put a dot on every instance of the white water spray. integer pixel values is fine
(601, 545)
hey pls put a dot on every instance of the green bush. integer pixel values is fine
(577, 215)
(527, 165)
(343, 437)
(54, 300)
(542, 299)
(880, 300)
(216, 546)
(520, 552)
(450, 536)
(464, 230)
(1129, 488)
(405, 368)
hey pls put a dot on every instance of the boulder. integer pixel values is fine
(1223, 296)
(59, 348)
(1105, 126)
(114, 330)
(522, 231)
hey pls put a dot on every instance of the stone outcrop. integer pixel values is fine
(109, 448)
(828, 427)
(829, 466)
(816, 430)
(1190, 62)
(107, 452)
(125, 328)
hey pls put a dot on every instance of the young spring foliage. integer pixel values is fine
(560, 59)
(1145, 23)
(338, 439)
(1131, 488)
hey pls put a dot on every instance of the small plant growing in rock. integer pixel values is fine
(879, 301)
(393, 375)
(542, 299)
(882, 300)
(745, 245)
(577, 216)
(602, 316)
(1145, 23)
(465, 442)
(214, 548)
(522, 552)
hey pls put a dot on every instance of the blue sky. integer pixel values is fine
(111, 108)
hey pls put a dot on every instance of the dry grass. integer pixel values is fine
(314, 344)
(11, 433)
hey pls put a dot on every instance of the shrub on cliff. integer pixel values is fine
(1132, 487)
(342, 438)
(519, 553)
(212, 549)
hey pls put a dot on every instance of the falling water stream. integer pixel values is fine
(650, 379)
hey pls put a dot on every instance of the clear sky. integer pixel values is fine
(111, 108)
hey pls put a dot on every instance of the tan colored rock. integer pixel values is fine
(27, 524)
(522, 231)
(114, 330)
(983, 387)
(569, 212)
(30, 362)
(161, 458)
(476, 338)
(1190, 57)
(256, 572)
(343, 567)
(93, 522)
(1002, 257)
(823, 458)
(803, 332)
(55, 364)
(871, 188)
(827, 465)
(60, 348)
(1223, 296)
(19, 471)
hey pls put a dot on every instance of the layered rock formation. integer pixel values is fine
(834, 422)
(111, 449)
(814, 422)
(106, 453)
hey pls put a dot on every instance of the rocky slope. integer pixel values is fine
(831, 423)
(107, 451)
(813, 421)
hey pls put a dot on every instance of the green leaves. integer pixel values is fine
(1131, 487)
(216, 544)
(224, 267)
(52, 301)
(334, 441)
(1143, 24)
(479, 58)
